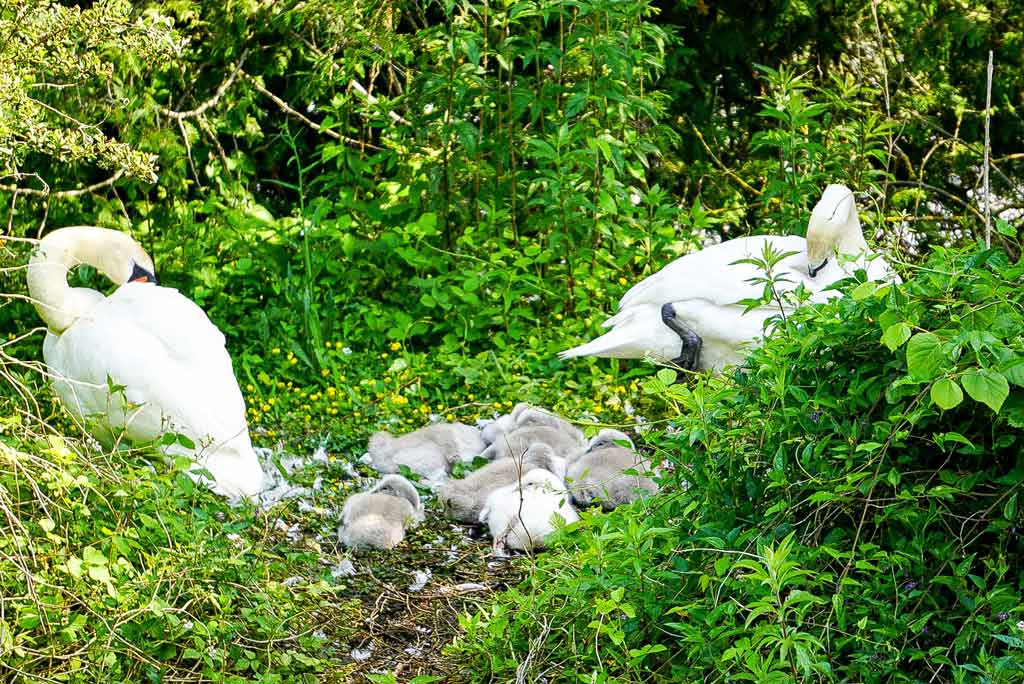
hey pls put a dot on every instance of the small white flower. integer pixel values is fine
(1020, 625)
(346, 350)
(310, 108)
(429, 109)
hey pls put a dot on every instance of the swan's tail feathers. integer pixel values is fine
(618, 343)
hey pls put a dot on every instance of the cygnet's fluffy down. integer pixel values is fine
(464, 499)
(503, 424)
(429, 451)
(520, 516)
(564, 439)
(377, 519)
(525, 415)
(598, 474)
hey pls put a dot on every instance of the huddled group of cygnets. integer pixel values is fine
(146, 360)
(539, 467)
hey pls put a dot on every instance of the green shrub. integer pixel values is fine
(843, 517)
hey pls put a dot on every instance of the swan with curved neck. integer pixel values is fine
(689, 313)
(144, 361)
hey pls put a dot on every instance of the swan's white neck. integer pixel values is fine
(59, 304)
(851, 240)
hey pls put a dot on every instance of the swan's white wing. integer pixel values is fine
(177, 376)
(712, 274)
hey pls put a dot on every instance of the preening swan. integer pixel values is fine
(152, 341)
(687, 313)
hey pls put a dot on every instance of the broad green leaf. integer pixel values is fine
(863, 291)
(93, 557)
(924, 356)
(99, 573)
(985, 386)
(946, 394)
(895, 335)
(1015, 374)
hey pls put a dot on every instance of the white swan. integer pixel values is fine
(687, 313)
(151, 341)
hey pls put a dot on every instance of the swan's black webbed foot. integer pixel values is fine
(690, 353)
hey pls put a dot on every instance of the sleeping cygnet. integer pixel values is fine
(597, 475)
(464, 499)
(564, 439)
(429, 451)
(521, 515)
(502, 424)
(377, 519)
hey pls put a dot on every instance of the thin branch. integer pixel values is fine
(288, 109)
(988, 149)
(358, 87)
(217, 95)
(64, 193)
(718, 162)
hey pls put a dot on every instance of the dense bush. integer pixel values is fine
(846, 512)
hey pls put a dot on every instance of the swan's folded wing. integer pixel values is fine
(712, 274)
(167, 355)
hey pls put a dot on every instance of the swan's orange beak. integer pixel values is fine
(141, 275)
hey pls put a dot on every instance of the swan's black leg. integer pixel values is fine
(690, 353)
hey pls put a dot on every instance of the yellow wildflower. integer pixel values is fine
(395, 346)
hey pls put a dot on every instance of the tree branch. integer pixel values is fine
(288, 109)
(64, 193)
(217, 95)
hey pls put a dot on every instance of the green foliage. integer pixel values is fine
(114, 572)
(838, 524)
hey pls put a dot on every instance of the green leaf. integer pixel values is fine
(1010, 509)
(863, 291)
(946, 394)
(667, 376)
(924, 356)
(93, 557)
(895, 335)
(1015, 374)
(985, 386)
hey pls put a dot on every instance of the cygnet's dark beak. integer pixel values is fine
(141, 275)
(813, 271)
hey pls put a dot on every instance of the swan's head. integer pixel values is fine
(396, 485)
(119, 257)
(834, 228)
(608, 437)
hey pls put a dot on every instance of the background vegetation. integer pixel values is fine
(401, 210)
